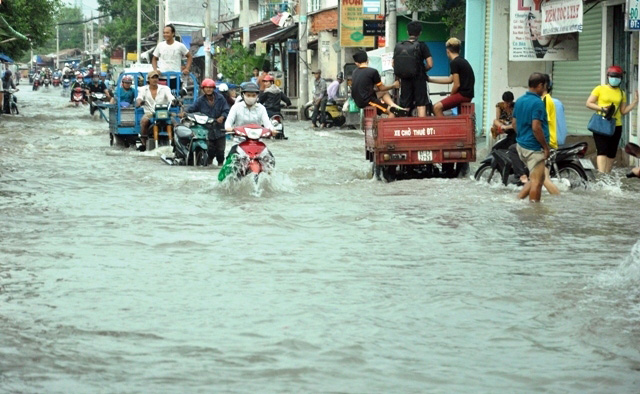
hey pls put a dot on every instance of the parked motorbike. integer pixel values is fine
(190, 139)
(10, 102)
(333, 115)
(566, 162)
(78, 96)
(55, 82)
(249, 157)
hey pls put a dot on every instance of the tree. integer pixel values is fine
(452, 11)
(71, 30)
(237, 62)
(33, 18)
(122, 26)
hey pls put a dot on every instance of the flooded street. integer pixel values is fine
(119, 273)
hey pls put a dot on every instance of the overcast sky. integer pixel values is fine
(87, 6)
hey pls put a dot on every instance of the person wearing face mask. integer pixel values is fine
(609, 99)
(248, 111)
(97, 86)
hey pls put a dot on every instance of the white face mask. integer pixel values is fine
(250, 100)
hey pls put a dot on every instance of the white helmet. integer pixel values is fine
(90, 65)
(223, 87)
(220, 76)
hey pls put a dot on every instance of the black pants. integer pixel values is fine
(319, 109)
(216, 149)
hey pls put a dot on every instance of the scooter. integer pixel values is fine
(55, 82)
(190, 145)
(96, 99)
(249, 157)
(10, 102)
(333, 115)
(66, 83)
(277, 122)
(36, 84)
(46, 83)
(78, 96)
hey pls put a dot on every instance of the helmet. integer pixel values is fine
(615, 70)
(78, 73)
(250, 87)
(90, 66)
(269, 77)
(223, 87)
(66, 64)
(340, 76)
(127, 78)
(208, 83)
(220, 76)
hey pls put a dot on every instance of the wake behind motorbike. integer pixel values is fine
(190, 141)
(249, 157)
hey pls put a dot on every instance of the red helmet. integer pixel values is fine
(268, 77)
(208, 83)
(127, 78)
(615, 70)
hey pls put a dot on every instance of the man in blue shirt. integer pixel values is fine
(214, 105)
(125, 93)
(532, 135)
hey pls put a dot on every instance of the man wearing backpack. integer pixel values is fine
(461, 76)
(409, 65)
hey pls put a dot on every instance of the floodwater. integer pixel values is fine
(119, 273)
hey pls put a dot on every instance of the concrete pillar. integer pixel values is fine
(474, 51)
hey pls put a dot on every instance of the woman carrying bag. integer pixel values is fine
(608, 101)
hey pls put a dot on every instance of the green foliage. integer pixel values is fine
(452, 11)
(237, 63)
(71, 35)
(121, 28)
(33, 18)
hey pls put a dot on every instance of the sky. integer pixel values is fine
(87, 5)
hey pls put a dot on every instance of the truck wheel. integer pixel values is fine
(388, 173)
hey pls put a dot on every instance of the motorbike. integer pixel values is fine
(55, 82)
(161, 122)
(190, 141)
(66, 84)
(249, 157)
(333, 115)
(566, 162)
(46, 83)
(96, 99)
(78, 96)
(277, 122)
(10, 102)
(36, 84)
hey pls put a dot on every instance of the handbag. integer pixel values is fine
(598, 124)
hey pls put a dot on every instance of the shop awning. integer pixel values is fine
(200, 52)
(5, 58)
(281, 34)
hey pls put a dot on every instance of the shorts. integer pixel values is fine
(608, 145)
(380, 106)
(453, 101)
(532, 158)
(413, 92)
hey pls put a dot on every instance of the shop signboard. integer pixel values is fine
(351, 17)
(526, 41)
(560, 17)
(372, 7)
(633, 19)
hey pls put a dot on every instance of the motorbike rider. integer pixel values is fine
(7, 83)
(97, 86)
(66, 71)
(149, 96)
(125, 93)
(227, 94)
(272, 97)
(90, 71)
(248, 111)
(214, 105)
(79, 83)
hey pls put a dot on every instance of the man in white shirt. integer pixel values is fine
(168, 54)
(149, 96)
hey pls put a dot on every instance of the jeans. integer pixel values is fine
(319, 109)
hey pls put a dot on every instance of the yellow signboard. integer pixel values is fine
(351, 25)
(132, 56)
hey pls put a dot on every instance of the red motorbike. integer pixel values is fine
(250, 156)
(78, 96)
(55, 82)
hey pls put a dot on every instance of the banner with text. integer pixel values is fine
(351, 25)
(526, 41)
(560, 17)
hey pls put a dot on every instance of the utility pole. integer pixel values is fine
(139, 32)
(91, 36)
(303, 74)
(57, 46)
(246, 30)
(393, 26)
(207, 41)
(160, 20)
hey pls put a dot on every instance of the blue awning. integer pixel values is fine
(5, 58)
(200, 52)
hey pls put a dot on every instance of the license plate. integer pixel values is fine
(587, 164)
(425, 155)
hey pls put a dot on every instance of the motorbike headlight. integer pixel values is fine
(162, 114)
